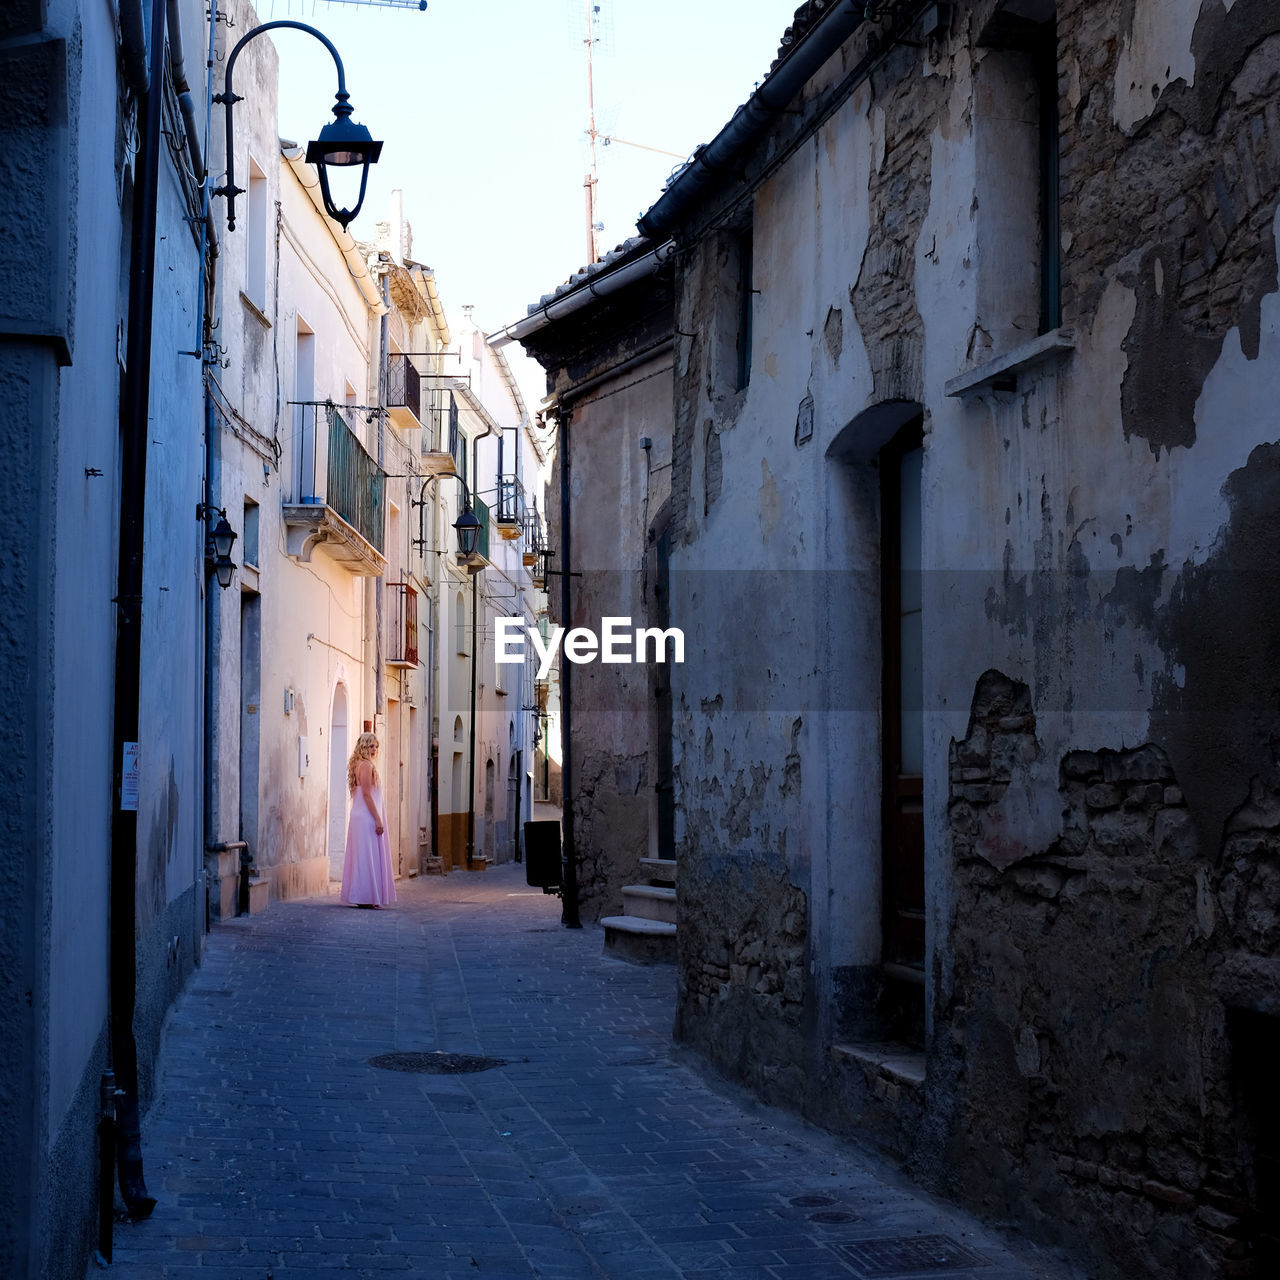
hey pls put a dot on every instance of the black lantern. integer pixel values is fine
(342, 143)
(468, 529)
(223, 536)
(218, 543)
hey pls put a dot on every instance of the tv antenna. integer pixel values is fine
(596, 137)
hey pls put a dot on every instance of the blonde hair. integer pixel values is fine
(366, 748)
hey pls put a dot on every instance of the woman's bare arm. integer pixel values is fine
(364, 777)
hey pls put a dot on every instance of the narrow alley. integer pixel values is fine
(277, 1149)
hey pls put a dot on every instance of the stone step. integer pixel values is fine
(661, 870)
(652, 901)
(640, 940)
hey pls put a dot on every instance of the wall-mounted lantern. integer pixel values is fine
(217, 545)
(467, 526)
(342, 143)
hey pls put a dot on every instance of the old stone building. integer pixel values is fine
(974, 458)
(605, 338)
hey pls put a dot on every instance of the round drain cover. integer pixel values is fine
(810, 1202)
(437, 1064)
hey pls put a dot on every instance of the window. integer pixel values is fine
(460, 625)
(304, 419)
(255, 265)
(250, 532)
(1016, 129)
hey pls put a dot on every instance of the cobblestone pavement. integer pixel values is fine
(278, 1152)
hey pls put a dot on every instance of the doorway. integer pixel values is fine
(902, 734)
(250, 719)
(338, 782)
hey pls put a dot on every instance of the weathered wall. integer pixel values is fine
(1099, 814)
(618, 494)
(66, 215)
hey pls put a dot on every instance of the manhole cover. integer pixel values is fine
(810, 1202)
(908, 1255)
(832, 1216)
(436, 1064)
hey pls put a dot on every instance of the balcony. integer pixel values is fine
(510, 510)
(438, 449)
(402, 625)
(340, 502)
(404, 393)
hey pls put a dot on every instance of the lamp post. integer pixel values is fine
(342, 142)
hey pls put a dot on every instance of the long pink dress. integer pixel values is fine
(367, 877)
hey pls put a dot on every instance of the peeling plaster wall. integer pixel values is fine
(618, 490)
(1100, 602)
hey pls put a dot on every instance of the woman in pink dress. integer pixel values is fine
(367, 878)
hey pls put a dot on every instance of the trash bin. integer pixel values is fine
(542, 854)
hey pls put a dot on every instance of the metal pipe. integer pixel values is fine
(471, 750)
(135, 409)
(133, 41)
(228, 99)
(569, 896)
(475, 644)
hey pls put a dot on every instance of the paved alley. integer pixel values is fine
(278, 1151)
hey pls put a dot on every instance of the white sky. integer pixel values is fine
(482, 107)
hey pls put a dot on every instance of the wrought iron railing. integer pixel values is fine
(335, 471)
(402, 625)
(510, 507)
(404, 385)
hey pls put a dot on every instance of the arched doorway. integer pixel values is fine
(338, 752)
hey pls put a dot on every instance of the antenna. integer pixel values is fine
(592, 12)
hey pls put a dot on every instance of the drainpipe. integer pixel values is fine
(133, 44)
(569, 913)
(135, 410)
(471, 745)
(475, 646)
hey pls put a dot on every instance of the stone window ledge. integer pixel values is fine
(1001, 373)
(895, 1062)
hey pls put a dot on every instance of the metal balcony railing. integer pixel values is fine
(402, 625)
(335, 471)
(404, 386)
(510, 507)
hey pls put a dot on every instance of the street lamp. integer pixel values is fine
(218, 543)
(467, 526)
(342, 143)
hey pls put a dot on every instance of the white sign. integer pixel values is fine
(129, 778)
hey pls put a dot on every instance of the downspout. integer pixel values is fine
(475, 646)
(471, 746)
(191, 132)
(569, 913)
(378, 593)
(133, 45)
(212, 647)
(135, 411)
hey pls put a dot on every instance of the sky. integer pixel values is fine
(482, 107)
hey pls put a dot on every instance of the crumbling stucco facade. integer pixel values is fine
(609, 376)
(975, 466)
